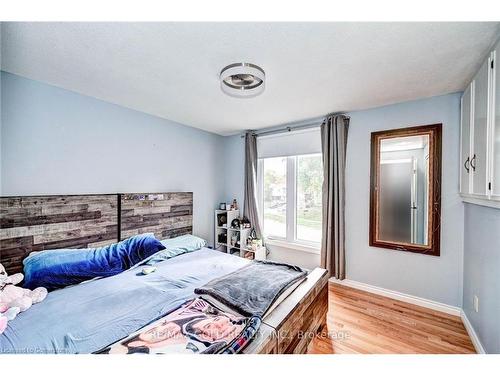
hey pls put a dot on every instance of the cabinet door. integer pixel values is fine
(465, 127)
(478, 161)
(495, 131)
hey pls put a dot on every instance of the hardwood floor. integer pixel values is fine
(362, 322)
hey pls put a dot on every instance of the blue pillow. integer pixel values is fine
(55, 269)
(177, 246)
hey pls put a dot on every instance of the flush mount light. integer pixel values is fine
(242, 80)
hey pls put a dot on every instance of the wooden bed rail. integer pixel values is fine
(292, 325)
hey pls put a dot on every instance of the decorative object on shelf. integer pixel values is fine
(222, 206)
(235, 223)
(222, 238)
(235, 204)
(249, 255)
(253, 237)
(256, 244)
(221, 220)
(245, 223)
(234, 240)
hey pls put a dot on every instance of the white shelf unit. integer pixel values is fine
(241, 235)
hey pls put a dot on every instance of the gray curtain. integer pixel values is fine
(250, 206)
(333, 144)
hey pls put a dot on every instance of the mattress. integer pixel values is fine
(90, 316)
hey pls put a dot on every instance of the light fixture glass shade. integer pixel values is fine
(242, 80)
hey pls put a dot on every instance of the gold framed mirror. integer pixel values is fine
(405, 189)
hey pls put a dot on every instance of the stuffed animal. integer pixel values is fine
(14, 299)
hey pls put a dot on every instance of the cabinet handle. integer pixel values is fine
(472, 164)
(466, 165)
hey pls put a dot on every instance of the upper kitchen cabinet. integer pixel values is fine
(495, 126)
(465, 139)
(479, 156)
(480, 135)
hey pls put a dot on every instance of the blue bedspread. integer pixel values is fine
(89, 316)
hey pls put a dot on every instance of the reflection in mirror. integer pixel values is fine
(405, 189)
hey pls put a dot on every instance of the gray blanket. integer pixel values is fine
(251, 290)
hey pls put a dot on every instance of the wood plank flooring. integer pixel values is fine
(361, 322)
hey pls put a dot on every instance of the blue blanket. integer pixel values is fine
(87, 317)
(54, 269)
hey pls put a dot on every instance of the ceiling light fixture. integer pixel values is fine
(242, 80)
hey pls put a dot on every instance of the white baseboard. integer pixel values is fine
(452, 310)
(472, 333)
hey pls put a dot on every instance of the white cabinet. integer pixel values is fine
(495, 127)
(465, 143)
(480, 135)
(479, 156)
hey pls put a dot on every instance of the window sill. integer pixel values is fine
(294, 246)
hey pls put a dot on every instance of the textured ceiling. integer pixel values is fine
(171, 69)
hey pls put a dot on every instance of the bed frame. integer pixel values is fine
(35, 223)
(294, 323)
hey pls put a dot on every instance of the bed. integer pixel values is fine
(87, 317)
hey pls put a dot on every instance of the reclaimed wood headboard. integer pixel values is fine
(34, 223)
(164, 214)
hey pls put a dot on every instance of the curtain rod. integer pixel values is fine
(291, 128)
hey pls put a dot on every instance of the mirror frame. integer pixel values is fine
(434, 221)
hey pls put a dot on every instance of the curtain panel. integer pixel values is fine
(250, 205)
(333, 144)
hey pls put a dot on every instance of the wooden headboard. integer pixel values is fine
(35, 223)
(164, 214)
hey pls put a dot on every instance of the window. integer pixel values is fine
(275, 196)
(290, 198)
(309, 183)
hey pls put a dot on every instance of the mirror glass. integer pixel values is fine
(404, 189)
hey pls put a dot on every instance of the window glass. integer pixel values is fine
(309, 187)
(274, 195)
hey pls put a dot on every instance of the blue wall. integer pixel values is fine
(54, 141)
(435, 278)
(234, 179)
(482, 273)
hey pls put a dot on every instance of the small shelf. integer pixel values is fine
(238, 229)
(230, 233)
(481, 201)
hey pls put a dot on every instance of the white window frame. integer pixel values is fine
(291, 239)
